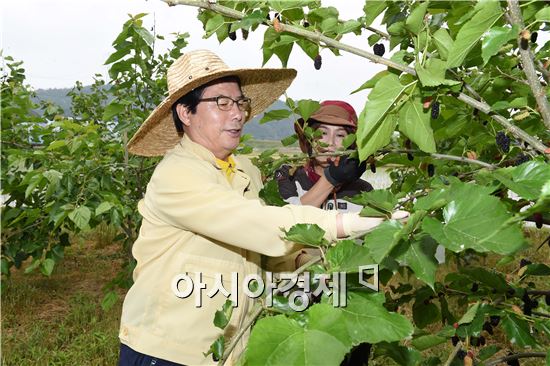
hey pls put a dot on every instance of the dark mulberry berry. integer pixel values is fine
(306, 24)
(482, 341)
(431, 171)
(454, 340)
(521, 158)
(267, 16)
(232, 35)
(410, 156)
(537, 216)
(503, 141)
(317, 62)
(488, 328)
(373, 167)
(461, 354)
(534, 36)
(475, 287)
(277, 16)
(547, 299)
(245, 34)
(494, 319)
(475, 341)
(513, 362)
(379, 49)
(435, 110)
(524, 262)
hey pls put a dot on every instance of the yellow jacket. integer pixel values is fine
(195, 220)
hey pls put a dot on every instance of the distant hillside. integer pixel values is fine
(274, 130)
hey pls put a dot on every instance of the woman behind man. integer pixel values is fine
(325, 181)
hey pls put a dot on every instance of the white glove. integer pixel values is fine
(354, 225)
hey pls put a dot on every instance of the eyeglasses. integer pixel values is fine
(225, 103)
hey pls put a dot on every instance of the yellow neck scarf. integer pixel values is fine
(228, 167)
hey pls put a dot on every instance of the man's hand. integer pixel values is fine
(347, 170)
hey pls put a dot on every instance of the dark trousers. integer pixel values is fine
(129, 357)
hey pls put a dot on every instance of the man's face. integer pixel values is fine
(332, 137)
(219, 131)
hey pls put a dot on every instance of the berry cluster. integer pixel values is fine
(317, 62)
(503, 141)
(379, 49)
(435, 110)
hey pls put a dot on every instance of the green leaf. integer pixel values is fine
(383, 201)
(270, 194)
(526, 180)
(348, 26)
(310, 48)
(475, 220)
(81, 217)
(420, 256)
(427, 341)
(57, 144)
(517, 331)
(109, 300)
(472, 31)
(433, 74)
(217, 348)
(307, 107)
(374, 129)
(369, 84)
(469, 316)
(34, 181)
(213, 24)
(347, 256)
(275, 115)
(414, 122)
(145, 35)
(112, 110)
(378, 137)
(372, 9)
(289, 140)
(103, 207)
(46, 267)
(537, 269)
(278, 340)
(487, 352)
(488, 277)
(402, 355)
(307, 234)
(493, 41)
(383, 239)
(443, 42)
(415, 20)
(543, 15)
(433, 201)
(425, 313)
(368, 320)
(222, 317)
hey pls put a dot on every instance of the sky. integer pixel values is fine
(62, 41)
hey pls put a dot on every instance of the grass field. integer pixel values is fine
(59, 320)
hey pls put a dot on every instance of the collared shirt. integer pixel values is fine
(197, 221)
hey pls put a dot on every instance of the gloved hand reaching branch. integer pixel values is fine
(346, 170)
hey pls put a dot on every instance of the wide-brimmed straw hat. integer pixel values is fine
(331, 112)
(158, 133)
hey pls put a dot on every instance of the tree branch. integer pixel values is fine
(453, 354)
(515, 357)
(317, 37)
(529, 66)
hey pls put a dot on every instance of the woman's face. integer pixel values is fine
(332, 137)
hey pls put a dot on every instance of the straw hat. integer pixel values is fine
(331, 112)
(158, 133)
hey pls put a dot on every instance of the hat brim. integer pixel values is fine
(158, 133)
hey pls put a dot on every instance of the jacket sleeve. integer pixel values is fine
(187, 195)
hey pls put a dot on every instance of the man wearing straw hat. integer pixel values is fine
(201, 213)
